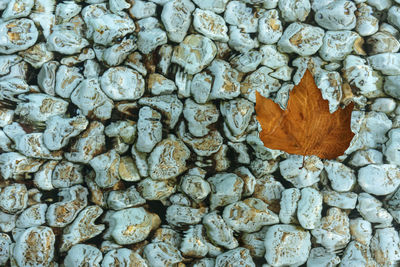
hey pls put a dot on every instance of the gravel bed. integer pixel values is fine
(128, 133)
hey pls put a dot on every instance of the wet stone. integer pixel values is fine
(13, 198)
(149, 129)
(81, 254)
(194, 53)
(379, 179)
(199, 117)
(218, 232)
(168, 159)
(19, 34)
(106, 167)
(309, 208)
(132, 225)
(34, 247)
(302, 39)
(122, 83)
(249, 215)
(226, 188)
(293, 243)
(333, 233)
(161, 254)
(235, 258)
(127, 256)
(83, 228)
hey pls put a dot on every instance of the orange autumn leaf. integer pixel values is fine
(306, 127)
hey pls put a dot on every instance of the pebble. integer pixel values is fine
(176, 17)
(13, 198)
(337, 15)
(89, 144)
(91, 100)
(379, 179)
(169, 105)
(270, 27)
(14, 165)
(104, 27)
(218, 231)
(301, 38)
(150, 37)
(168, 159)
(309, 208)
(142, 9)
(205, 146)
(127, 256)
(338, 44)
(5, 242)
(82, 229)
(342, 178)
(357, 253)
(361, 231)
(225, 82)
(248, 179)
(391, 148)
(387, 63)
(123, 199)
(342, 200)
(288, 205)
(236, 257)
(385, 246)
(391, 86)
(156, 189)
(205, 53)
(149, 129)
(194, 185)
(34, 247)
(200, 117)
(74, 199)
(371, 210)
(32, 216)
(65, 41)
(247, 62)
(319, 256)
(238, 14)
(106, 167)
(306, 176)
(226, 188)
(40, 107)
(293, 244)
(167, 235)
(333, 232)
(179, 216)
(385, 105)
(393, 16)
(249, 215)
(259, 81)
(210, 25)
(161, 254)
(122, 83)
(46, 77)
(294, 10)
(60, 130)
(269, 190)
(80, 254)
(67, 79)
(366, 24)
(159, 85)
(19, 34)
(217, 6)
(240, 41)
(194, 243)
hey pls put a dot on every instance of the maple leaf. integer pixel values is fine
(306, 127)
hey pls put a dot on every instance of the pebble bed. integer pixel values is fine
(128, 135)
